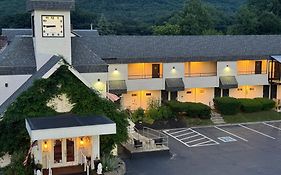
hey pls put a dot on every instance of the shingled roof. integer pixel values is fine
(130, 49)
(84, 59)
(18, 58)
(38, 75)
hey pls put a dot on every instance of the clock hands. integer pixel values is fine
(49, 26)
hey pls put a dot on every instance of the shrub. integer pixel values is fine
(198, 110)
(109, 163)
(190, 109)
(250, 105)
(267, 104)
(227, 105)
(138, 115)
(165, 112)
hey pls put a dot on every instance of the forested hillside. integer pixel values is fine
(127, 16)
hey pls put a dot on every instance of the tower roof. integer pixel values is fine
(50, 5)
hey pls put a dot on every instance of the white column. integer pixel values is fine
(95, 149)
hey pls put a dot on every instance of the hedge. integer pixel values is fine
(250, 105)
(195, 110)
(231, 106)
(267, 104)
(227, 105)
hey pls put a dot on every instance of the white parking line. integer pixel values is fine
(271, 126)
(231, 134)
(195, 140)
(203, 143)
(256, 131)
(178, 131)
(190, 137)
(184, 134)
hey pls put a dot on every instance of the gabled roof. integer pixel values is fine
(38, 75)
(130, 49)
(18, 57)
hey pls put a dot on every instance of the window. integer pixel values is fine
(188, 92)
(148, 94)
(134, 95)
(202, 91)
(239, 89)
(6, 85)
(252, 89)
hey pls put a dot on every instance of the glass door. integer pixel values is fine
(70, 154)
(58, 152)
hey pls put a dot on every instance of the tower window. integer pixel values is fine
(6, 84)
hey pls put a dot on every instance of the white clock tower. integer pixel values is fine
(51, 27)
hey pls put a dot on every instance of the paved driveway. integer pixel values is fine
(245, 149)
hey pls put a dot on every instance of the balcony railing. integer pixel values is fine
(144, 76)
(207, 74)
(251, 72)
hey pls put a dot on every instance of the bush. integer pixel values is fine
(109, 163)
(267, 104)
(159, 113)
(250, 105)
(194, 110)
(227, 105)
(138, 115)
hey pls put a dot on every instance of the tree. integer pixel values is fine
(104, 26)
(246, 22)
(195, 18)
(269, 24)
(167, 29)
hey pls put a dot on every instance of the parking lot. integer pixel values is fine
(250, 149)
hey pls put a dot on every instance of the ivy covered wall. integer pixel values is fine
(33, 103)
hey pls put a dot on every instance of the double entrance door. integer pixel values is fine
(64, 152)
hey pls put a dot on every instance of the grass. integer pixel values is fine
(252, 117)
(198, 122)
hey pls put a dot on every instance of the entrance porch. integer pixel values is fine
(67, 142)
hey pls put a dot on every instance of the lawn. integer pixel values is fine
(197, 122)
(252, 117)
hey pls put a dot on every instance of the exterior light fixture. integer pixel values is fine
(174, 68)
(227, 65)
(81, 142)
(98, 80)
(115, 69)
(45, 145)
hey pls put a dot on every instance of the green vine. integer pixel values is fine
(32, 103)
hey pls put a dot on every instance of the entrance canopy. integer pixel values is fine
(68, 126)
(117, 87)
(174, 84)
(277, 58)
(228, 82)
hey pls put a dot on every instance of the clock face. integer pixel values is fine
(52, 26)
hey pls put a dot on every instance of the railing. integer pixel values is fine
(154, 135)
(85, 163)
(251, 72)
(207, 74)
(143, 76)
(49, 165)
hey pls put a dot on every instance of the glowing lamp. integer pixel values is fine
(45, 146)
(81, 142)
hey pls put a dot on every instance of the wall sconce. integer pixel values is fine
(174, 68)
(115, 69)
(98, 80)
(227, 65)
(45, 146)
(81, 141)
